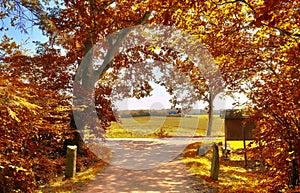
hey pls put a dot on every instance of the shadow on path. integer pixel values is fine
(170, 177)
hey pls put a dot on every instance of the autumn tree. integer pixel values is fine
(275, 89)
(91, 21)
(87, 22)
(32, 129)
(256, 45)
(34, 109)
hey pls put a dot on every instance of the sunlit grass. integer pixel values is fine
(63, 185)
(233, 176)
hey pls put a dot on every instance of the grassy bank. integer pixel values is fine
(233, 175)
(63, 185)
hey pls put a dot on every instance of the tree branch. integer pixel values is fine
(110, 54)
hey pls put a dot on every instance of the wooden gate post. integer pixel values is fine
(215, 164)
(71, 161)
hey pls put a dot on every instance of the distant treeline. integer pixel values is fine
(141, 113)
(163, 112)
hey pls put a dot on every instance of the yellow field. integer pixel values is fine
(155, 126)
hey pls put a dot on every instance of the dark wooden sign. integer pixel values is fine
(239, 129)
(238, 126)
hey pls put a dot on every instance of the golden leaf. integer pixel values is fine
(13, 115)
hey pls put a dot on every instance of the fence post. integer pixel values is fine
(2, 182)
(71, 161)
(215, 164)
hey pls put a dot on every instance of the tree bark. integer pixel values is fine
(87, 76)
(210, 114)
(294, 174)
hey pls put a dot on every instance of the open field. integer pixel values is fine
(157, 126)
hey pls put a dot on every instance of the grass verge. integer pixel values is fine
(233, 175)
(63, 185)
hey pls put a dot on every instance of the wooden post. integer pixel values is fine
(71, 161)
(225, 149)
(2, 184)
(244, 141)
(215, 164)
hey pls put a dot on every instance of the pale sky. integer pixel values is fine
(160, 100)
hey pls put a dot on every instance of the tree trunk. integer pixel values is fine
(87, 76)
(294, 175)
(75, 137)
(210, 114)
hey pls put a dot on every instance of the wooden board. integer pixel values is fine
(234, 129)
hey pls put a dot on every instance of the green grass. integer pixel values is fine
(156, 126)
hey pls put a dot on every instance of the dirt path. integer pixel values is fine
(170, 177)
